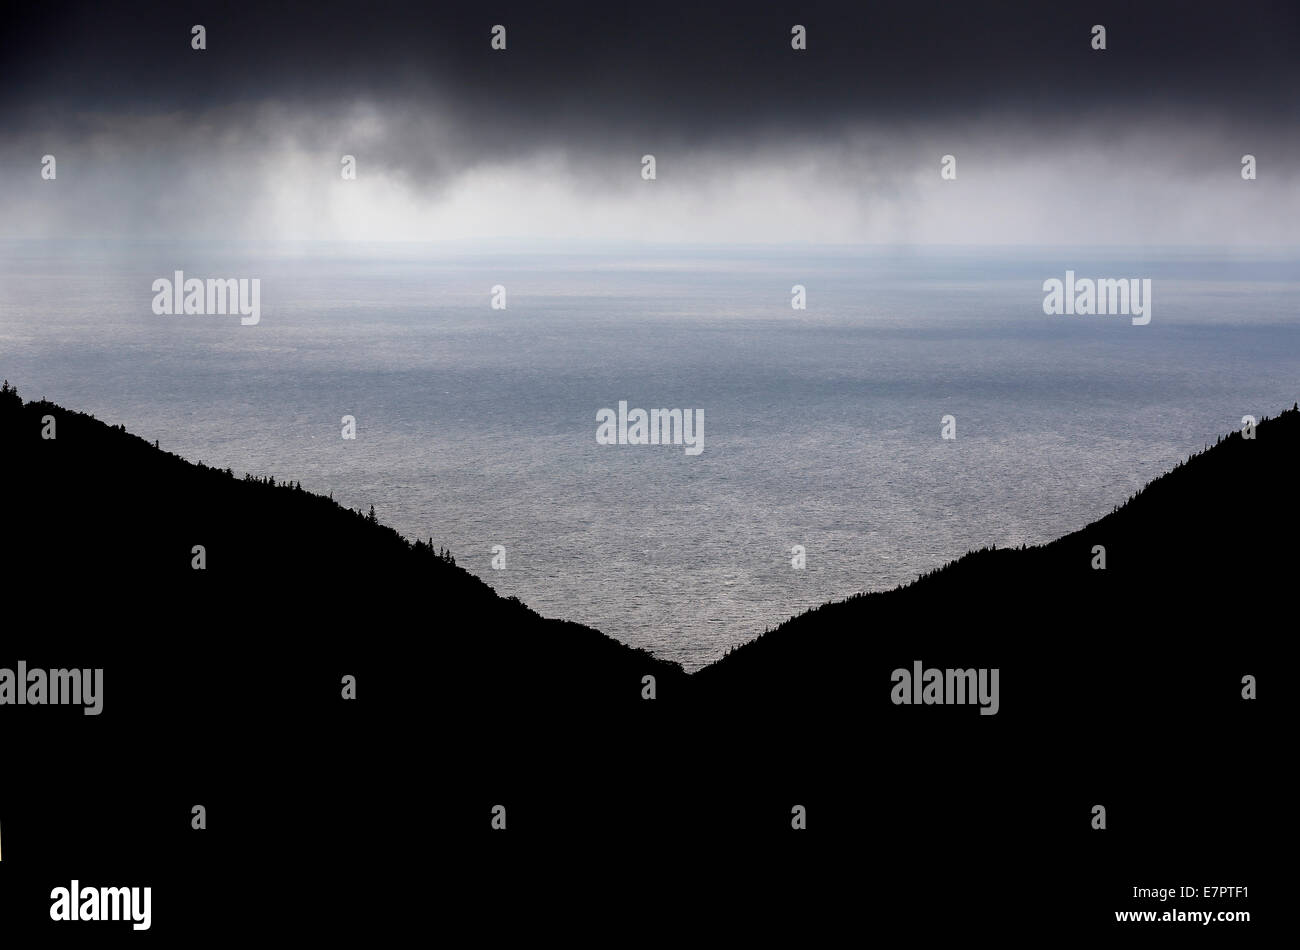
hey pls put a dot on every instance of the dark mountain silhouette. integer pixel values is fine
(125, 516)
(1120, 686)
(1209, 545)
(223, 685)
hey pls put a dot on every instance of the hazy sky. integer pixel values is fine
(1054, 142)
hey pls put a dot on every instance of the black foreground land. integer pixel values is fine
(372, 818)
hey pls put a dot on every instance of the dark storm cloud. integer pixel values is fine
(702, 70)
(1056, 141)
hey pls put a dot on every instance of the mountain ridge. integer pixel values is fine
(1121, 686)
(1284, 427)
(134, 450)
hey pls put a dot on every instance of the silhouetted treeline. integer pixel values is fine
(1120, 685)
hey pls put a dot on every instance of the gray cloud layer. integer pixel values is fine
(1055, 142)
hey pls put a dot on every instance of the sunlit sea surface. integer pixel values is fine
(476, 427)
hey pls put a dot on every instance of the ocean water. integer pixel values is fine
(476, 427)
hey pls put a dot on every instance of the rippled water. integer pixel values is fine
(476, 426)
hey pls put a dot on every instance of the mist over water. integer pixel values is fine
(476, 427)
